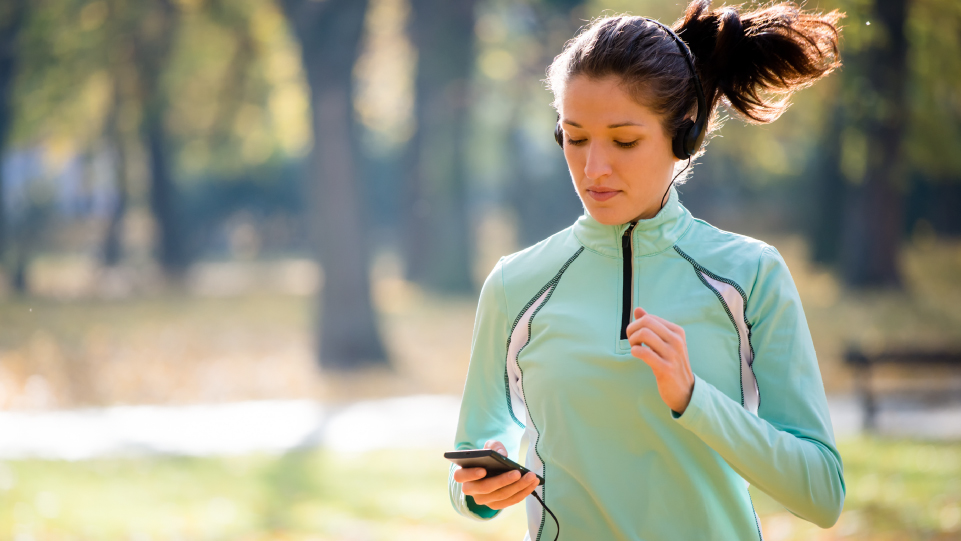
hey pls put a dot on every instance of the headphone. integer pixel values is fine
(690, 134)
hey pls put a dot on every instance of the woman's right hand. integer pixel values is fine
(496, 492)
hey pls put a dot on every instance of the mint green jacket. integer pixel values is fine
(550, 362)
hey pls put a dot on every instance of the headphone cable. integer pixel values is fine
(672, 181)
(548, 509)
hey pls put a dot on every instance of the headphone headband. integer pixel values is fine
(694, 135)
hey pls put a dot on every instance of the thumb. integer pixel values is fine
(496, 446)
(639, 312)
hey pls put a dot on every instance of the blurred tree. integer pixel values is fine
(873, 214)
(894, 122)
(152, 74)
(12, 16)
(541, 192)
(151, 43)
(329, 33)
(91, 64)
(30, 91)
(933, 92)
(437, 237)
(237, 73)
(827, 199)
(173, 93)
(117, 55)
(112, 251)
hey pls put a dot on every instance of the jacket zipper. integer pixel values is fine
(627, 253)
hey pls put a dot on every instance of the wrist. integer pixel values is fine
(686, 401)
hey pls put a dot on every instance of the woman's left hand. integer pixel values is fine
(666, 354)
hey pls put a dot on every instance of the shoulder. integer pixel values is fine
(732, 256)
(522, 274)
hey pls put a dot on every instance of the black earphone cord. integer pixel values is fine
(548, 509)
(672, 181)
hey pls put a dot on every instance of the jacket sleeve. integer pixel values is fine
(485, 406)
(788, 449)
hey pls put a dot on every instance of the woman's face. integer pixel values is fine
(619, 157)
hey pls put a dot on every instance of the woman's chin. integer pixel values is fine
(607, 215)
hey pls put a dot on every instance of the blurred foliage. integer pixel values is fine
(234, 81)
(238, 101)
(933, 31)
(896, 490)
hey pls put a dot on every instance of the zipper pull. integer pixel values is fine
(626, 244)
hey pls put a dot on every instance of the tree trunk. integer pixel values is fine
(113, 237)
(873, 220)
(329, 34)
(826, 207)
(415, 209)
(163, 196)
(438, 244)
(12, 15)
(152, 46)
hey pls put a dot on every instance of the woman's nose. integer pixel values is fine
(597, 164)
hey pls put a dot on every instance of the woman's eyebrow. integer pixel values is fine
(611, 126)
(622, 124)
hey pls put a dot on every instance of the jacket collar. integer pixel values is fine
(650, 236)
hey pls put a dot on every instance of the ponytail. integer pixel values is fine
(777, 49)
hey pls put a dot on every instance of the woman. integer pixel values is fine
(656, 364)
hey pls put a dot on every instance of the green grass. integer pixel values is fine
(300, 495)
(895, 490)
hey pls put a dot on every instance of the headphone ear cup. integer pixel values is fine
(680, 143)
(559, 134)
(695, 136)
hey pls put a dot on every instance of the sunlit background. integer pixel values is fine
(241, 243)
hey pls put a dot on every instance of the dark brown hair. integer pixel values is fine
(740, 57)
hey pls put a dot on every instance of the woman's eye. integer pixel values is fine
(630, 144)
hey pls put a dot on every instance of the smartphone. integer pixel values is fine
(489, 459)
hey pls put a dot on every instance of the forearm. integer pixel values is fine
(801, 471)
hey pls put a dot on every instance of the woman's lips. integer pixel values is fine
(602, 194)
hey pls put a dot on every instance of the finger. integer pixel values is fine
(519, 496)
(496, 446)
(657, 325)
(645, 321)
(462, 475)
(636, 324)
(493, 484)
(648, 356)
(649, 337)
(674, 327)
(505, 492)
(670, 325)
(484, 492)
(640, 313)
